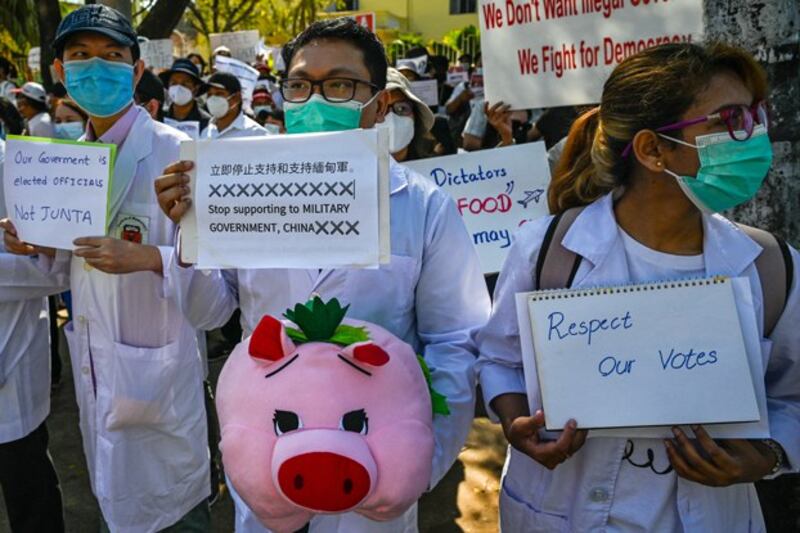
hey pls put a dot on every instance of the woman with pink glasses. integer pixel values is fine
(680, 135)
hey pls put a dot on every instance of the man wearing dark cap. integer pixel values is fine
(138, 374)
(224, 102)
(183, 84)
(149, 94)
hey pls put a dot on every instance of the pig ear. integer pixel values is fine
(269, 341)
(368, 353)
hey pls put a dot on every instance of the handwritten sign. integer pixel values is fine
(157, 53)
(297, 201)
(496, 191)
(426, 90)
(189, 127)
(57, 190)
(560, 52)
(244, 45)
(248, 76)
(456, 74)
(649, 355)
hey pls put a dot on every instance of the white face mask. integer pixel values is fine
(272, 129)
(218, 106)
(180, 94)
(69, 130)
(259, 108)
(401, 131)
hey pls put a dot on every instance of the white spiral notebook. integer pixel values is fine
(639, 356)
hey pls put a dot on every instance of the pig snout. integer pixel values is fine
(323, 481)
(324, 470)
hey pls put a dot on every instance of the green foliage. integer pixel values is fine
(316, 319)
(438, 400)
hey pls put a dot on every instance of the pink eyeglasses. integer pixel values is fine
(740, 120)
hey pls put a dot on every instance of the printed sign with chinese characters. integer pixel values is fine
(297, 201)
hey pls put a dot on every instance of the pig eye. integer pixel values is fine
(355, 421)
(285, 421)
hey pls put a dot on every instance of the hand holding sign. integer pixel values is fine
(118, 256)
(173, 192)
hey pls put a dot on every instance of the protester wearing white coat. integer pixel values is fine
(431, 295)
(27, 477)
(135, 361)
(578, 494)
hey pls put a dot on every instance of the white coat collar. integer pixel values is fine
(398, 176)
(138, 147)
(727, 250)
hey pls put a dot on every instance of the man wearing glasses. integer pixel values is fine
(431, 294)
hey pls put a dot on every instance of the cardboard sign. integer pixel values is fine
(426, 90)
(157, 53)
(496, 191)
(57, 190)
(242, 44)
(556, 53)
(295, 201)
(189, 127)
(247, 75)
(660, 354)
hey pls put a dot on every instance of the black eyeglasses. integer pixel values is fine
(299, 90)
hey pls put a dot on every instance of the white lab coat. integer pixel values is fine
(242, 126)
(41, 126)
(577, 495)
(24, 335)
(432, 295)
(138, 375)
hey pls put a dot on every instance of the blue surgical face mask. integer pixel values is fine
(69, 130)
(731, 172)
(317, 114)
(101, 88)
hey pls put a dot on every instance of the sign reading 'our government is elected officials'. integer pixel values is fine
(292, 201)
(55, 190)
(545, 53)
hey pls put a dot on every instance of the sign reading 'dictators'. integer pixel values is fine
(545, 53)
(659, 354)
(291, 201)
(496, 191)
(56, 190)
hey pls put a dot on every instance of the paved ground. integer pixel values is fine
(466, 500)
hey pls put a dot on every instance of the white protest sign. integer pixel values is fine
(35, 58)
(157, 53)
(426, 90)
(290, 201)
(560, 52)
(661, 354)
(496, 191)
(189, 127)
(244, 45)
(416, 64)
(456, 75)
(57, 190)
(247, 75)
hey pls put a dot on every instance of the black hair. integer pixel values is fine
(417, 51)
(41, 107)
(202, 61)
(12, 121)
(8, 67)
(344, 29)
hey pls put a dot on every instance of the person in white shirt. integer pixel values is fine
(28, 480)
(136, 367)
(652, 186)
(32, 105)
(431, 294)
(224, 102)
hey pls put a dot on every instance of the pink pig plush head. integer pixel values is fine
(315, 426)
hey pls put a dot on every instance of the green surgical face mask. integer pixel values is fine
(730, 173)
(317, 114)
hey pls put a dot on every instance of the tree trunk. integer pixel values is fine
(162, 18)
(123, 6)
(770, 31)
(49, 15)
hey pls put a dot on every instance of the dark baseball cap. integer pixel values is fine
(184, 66)
(225, 80)
(100, 19)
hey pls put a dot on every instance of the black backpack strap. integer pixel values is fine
(556, 266)
(776, 272)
